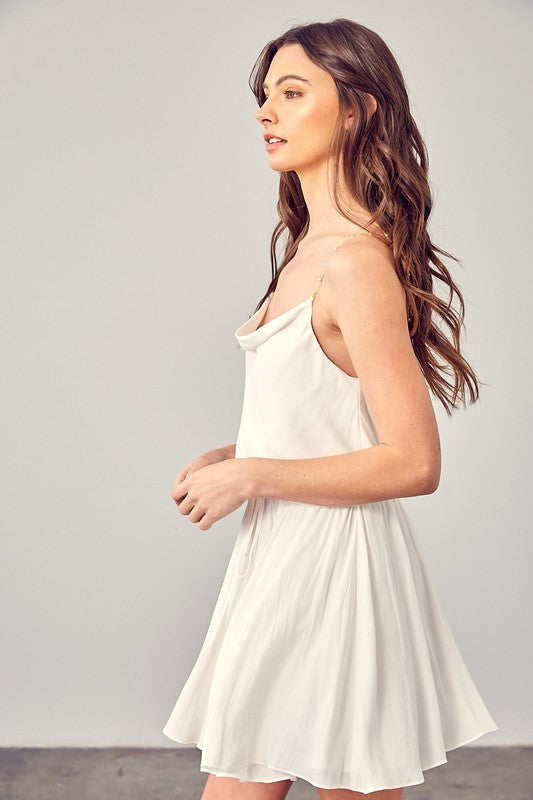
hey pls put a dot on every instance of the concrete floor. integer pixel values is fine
(125, 773)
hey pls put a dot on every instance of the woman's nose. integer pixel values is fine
(264, 114)
(265, 111)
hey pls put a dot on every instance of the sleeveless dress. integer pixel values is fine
(328, 656)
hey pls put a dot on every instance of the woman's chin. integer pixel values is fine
(280, 164)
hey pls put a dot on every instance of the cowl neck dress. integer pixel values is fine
(328, 656)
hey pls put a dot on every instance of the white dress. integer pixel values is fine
(327, 656)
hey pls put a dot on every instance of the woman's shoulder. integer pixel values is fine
(363, 257)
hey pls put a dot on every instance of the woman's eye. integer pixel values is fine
(286, 92)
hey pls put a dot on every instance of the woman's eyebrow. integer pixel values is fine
(287, 78)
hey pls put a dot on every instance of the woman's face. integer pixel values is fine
(302, 111)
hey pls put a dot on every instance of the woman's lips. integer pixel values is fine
(275, 145)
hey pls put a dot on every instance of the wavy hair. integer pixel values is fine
(384, 163)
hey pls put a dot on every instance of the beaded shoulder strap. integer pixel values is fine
(351, 236)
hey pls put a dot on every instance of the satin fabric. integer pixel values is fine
(328, 656)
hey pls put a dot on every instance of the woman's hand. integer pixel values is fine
(208, 492)
(211, 457)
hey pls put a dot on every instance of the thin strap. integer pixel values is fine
(351, 236)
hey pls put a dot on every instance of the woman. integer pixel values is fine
(327, 656)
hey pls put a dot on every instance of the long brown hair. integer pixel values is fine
(384, 163)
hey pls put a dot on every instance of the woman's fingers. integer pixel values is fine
(180, 477)
(192, 466)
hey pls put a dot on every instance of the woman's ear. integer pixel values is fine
(372, 104)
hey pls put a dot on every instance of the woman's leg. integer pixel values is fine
(222, 788)
(347, 794)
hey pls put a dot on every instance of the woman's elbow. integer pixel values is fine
(426, 478)
(420, 475)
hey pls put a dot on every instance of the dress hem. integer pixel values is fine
(365, 790)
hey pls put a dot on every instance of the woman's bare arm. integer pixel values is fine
(368, 305)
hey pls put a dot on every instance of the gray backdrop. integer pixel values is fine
(136, 208)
